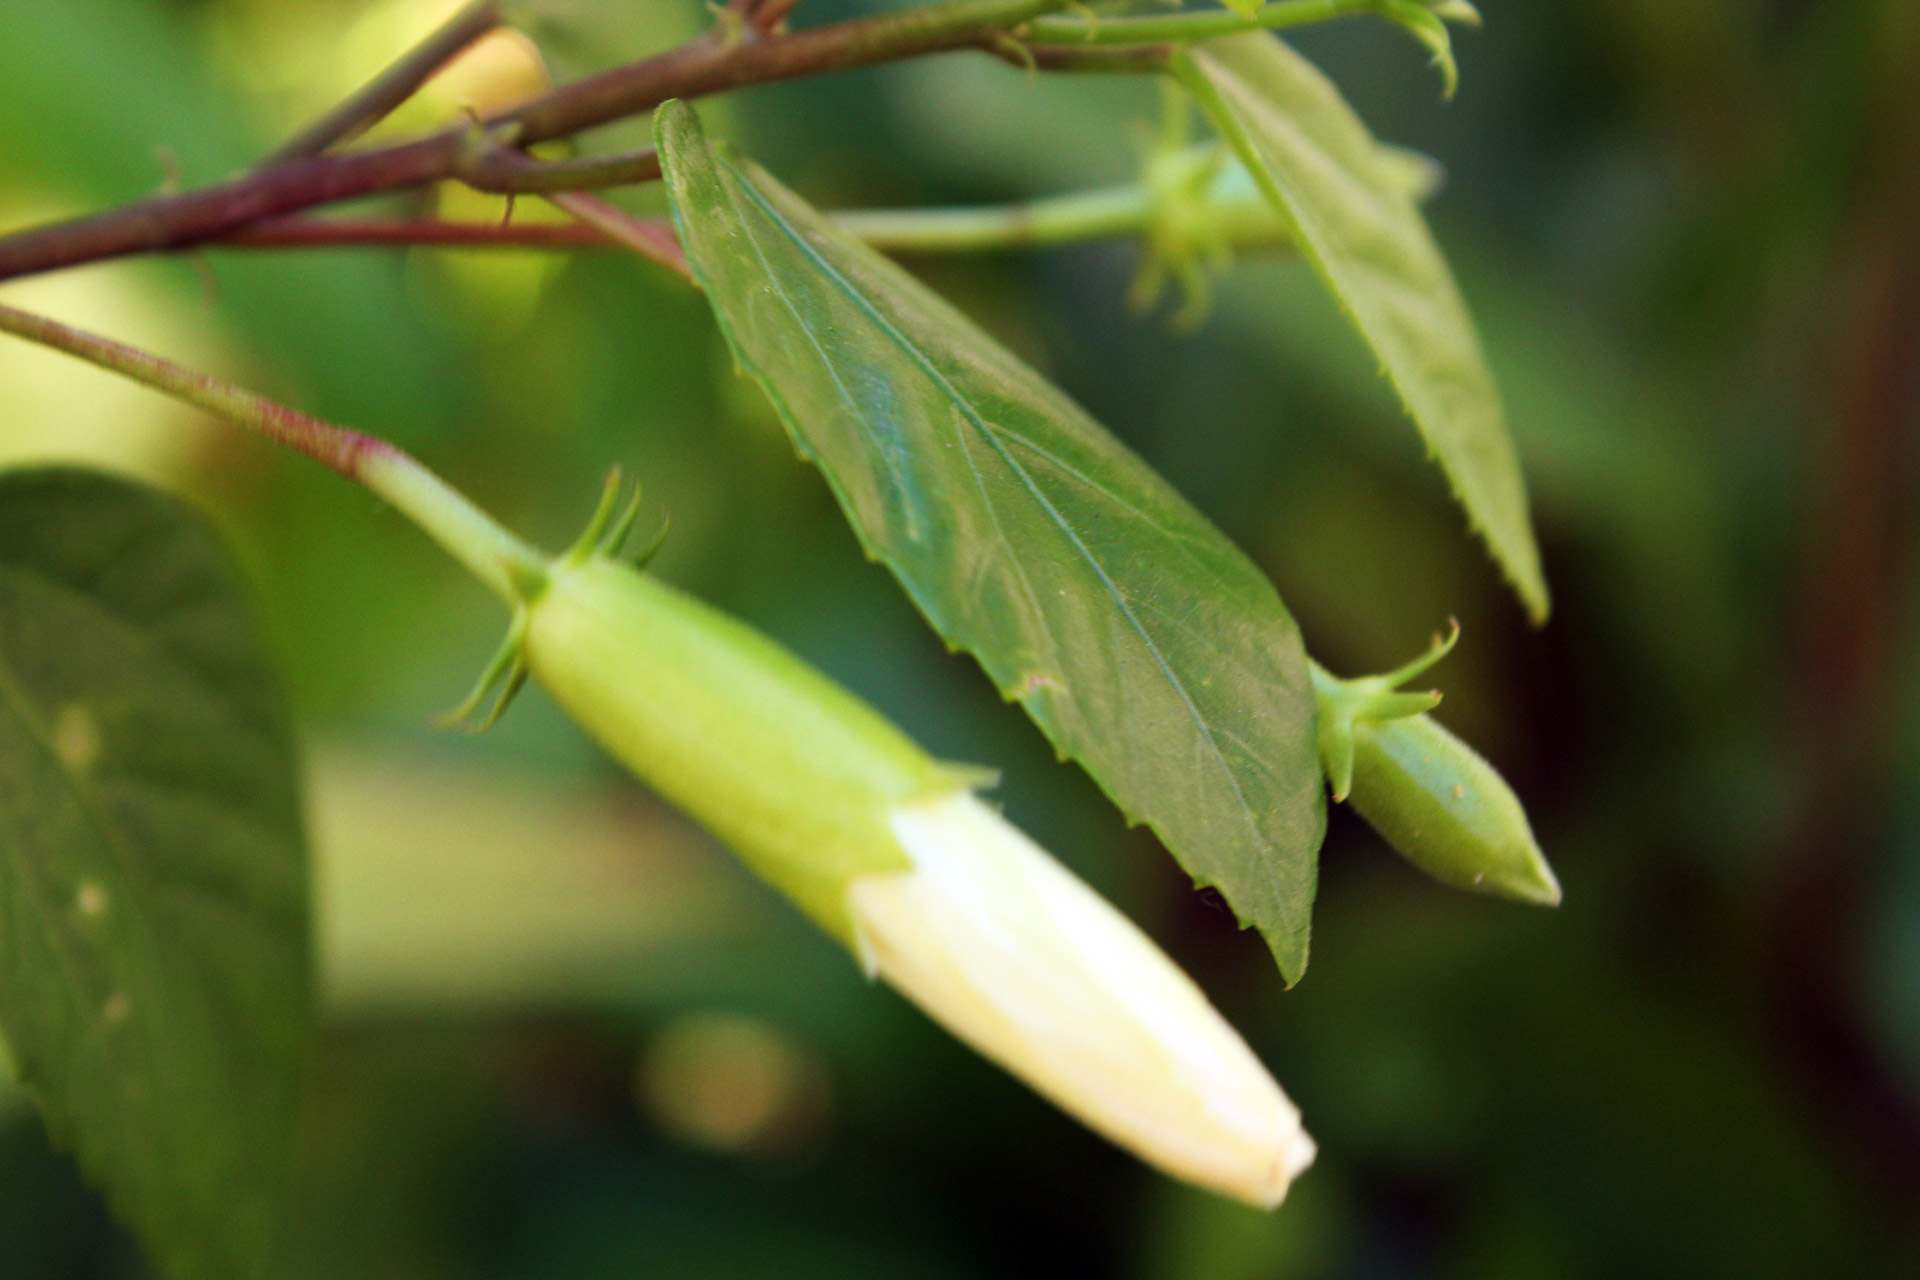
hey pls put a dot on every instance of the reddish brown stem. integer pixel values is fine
(651, 238)
(505, 171)
(709, 66)
(340, 448)
(177, 221)
(317, 233)
(703, 66)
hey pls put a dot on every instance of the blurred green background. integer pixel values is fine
(567, 1039)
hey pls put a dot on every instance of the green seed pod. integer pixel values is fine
(1429, 795)
(1446, 810)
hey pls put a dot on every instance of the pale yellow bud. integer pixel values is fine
(1019, 958)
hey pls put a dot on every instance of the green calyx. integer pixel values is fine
(610, 526)
(794, 773)
(1186, 238)
(1200, 204)
(506, 672)
(1426, 21)
(1342, 704)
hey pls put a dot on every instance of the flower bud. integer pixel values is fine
(793, 772)
(889, 850)
(1429, 795)
(1019, 958)
(1446, 810)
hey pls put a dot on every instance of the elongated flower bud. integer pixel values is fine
(888, 849)
(1019, 958)
(1449, 812)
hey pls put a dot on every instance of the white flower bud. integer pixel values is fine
(888, 849)
(1020, 959)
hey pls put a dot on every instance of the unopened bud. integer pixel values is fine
(888, 849)
(1020, 959)
(1431, 796)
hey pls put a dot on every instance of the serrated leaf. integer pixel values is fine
(1138, 637)
(1356, 223)
(154, 970)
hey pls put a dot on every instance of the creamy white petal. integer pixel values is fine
(1019, 958)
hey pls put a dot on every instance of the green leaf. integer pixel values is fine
(154, 968)
(1141, 640)
(1355, 221)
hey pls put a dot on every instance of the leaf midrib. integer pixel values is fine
(990, 434)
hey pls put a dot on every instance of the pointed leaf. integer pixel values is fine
(1364, 234)
(1141, 640)
(153, 887)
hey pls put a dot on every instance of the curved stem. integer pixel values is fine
(503, 562)
(376, 99)
(1065, 30)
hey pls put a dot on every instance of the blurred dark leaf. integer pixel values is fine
(154, 970)
(1141, 640)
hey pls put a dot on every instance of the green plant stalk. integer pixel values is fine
(1245, 220)
(1278, 15)
(503, 562)
(1083, 215)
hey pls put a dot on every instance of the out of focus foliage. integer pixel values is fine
(567, 1040)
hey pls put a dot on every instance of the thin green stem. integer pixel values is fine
(1068, 30)
(1240, 211)
(1083, 215)
(503, 562)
